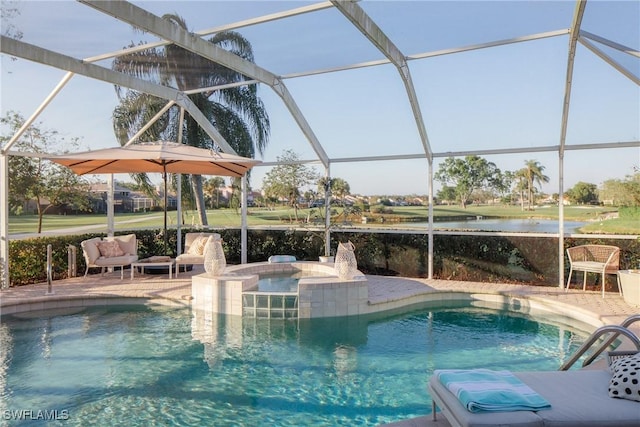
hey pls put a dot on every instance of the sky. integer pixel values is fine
(497, 98)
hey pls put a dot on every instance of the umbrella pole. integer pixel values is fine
(164, 175)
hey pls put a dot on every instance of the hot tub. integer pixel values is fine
(320, 292)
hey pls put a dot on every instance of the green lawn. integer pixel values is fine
(285, 215)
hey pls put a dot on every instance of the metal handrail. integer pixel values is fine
(627, 322)
(594, 337)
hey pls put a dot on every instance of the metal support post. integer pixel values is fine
(49, 272)
(72, 269)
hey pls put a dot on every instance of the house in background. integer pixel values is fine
(125, 200)
(121, 198)
(226, 193)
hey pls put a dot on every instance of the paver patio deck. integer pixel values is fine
(383, 291)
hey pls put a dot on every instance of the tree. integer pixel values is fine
(310, 195)
(632, 187)
(583, 193)
(7, 12)
(212, 186)
(533, 173)
(235, 201)
(236, 111)
(340, 188)
(467, 175)
(503, 185)
(447, 195)
(285, 180)
(520, 183)
(621, 192)
(35, 179)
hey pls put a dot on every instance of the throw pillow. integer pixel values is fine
(197, 247)
(109, 249)
(90, 248)
(128, 243)
(625, 382)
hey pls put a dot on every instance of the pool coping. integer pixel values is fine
(385, 293)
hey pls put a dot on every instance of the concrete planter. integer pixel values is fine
(630, 283)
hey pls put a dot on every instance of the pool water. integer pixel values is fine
(278, 283)
(283, 282)
(141, 366)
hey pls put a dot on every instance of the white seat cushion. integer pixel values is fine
(591, 266)
(190, 259)
(118, 260)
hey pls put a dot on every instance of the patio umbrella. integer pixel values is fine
(159, 157)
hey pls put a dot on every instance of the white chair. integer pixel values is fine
(193, 249)
(124, 254)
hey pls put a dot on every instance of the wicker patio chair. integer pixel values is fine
(601, 259)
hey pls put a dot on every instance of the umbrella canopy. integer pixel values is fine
(161, 157)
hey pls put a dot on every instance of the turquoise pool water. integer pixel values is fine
(140, 366)
(283, 282)
(278, 282)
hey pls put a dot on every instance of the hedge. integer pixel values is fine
(521, 259)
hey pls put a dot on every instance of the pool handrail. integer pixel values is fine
(616, 329)
(625, 324)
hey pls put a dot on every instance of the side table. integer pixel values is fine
(630, 285)
(153, 262)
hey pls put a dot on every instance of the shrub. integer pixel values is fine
(519, 259)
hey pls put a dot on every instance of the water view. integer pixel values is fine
(510, 225)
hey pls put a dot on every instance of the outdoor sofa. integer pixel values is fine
(110, 252)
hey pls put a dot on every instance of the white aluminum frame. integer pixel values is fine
(139, 17)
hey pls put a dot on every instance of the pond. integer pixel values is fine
(509, 225)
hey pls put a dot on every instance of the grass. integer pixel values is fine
(283, 216)
(613, 226)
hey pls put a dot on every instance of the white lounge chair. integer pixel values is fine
(578, 398)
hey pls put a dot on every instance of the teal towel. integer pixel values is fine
(483, 390)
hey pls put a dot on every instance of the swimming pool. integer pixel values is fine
(140, 365)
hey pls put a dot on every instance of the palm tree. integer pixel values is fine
(236, 112)
(520, 181)
(212, 185)
(533, 173)
(340, 188)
